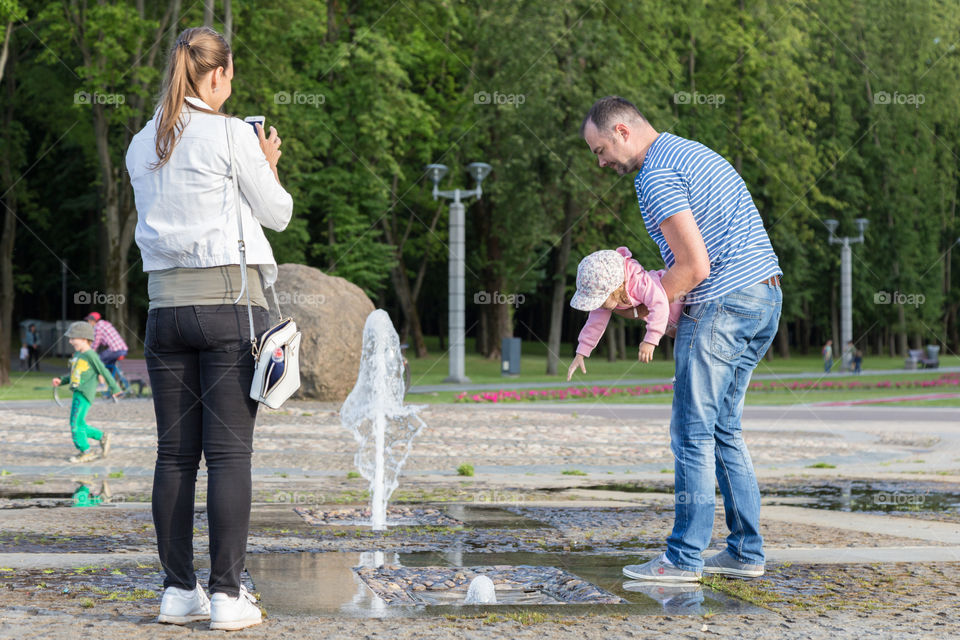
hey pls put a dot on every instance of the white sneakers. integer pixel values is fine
(225, 613)
(231, 614)
(180, 606)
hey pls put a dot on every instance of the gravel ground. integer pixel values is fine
(819, 602)
(309, 436)
(303, 454)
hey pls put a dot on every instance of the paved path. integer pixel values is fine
(509, 383)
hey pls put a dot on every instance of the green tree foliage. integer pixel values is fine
(828, 108)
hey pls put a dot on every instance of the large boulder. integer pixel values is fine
(330, 312)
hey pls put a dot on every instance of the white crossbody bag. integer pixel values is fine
(276, 354)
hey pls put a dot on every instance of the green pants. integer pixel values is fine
(79, 428)
(83, 498)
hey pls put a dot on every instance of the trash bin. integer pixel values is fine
(510, 357)
(933, 356)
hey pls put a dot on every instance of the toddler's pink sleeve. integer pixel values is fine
(646, 288)
(592, 331)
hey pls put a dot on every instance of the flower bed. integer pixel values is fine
(583, 393)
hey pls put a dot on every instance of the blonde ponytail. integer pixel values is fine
(197, 51)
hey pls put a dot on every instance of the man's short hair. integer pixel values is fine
(607, 112)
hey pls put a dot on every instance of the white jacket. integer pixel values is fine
(186, 215)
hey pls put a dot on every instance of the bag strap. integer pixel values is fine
(240, 245)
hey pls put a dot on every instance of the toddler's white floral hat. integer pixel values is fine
(598, 275)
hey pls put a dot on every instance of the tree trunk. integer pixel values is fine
(611, 340)
(738, 158)
(6, 48)
(208, 13)
(783, 338)
(119, 224)
(498, 327)
(9, 230)
(559, 288)
(400, 280)
(174, 26)
(620, 331)
(227, 21)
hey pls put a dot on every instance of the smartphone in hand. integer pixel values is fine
(256, 120)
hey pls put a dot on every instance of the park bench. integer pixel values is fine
(923, 359)
(136, 373)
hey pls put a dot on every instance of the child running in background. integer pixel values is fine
(608, 280)
(85, 366)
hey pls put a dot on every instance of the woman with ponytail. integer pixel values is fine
(197, 347)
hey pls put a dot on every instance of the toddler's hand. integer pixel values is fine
(577, 362)
(56, 382)
(646, 352)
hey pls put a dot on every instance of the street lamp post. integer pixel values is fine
(456, 290)
(846, 279)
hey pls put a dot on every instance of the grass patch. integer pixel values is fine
(115, 474)
(465, 469)
(573, 472)
(520, 617)
(743, 589)
(352, 475)
(821, 465)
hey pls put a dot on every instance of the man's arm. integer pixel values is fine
(691, 262)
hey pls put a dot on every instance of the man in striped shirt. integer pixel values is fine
(105, 335)
(721, 264)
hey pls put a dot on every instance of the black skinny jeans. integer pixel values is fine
(200, 370)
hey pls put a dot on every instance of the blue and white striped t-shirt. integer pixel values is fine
(679, 175)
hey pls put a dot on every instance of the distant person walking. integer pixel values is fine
(33, 344)
(856, 357)
(106, 335)
(24, 357)
(827, 353)
(197, 344)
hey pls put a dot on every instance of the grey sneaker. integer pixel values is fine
(680, 598)
(724, 564)
(660, 570)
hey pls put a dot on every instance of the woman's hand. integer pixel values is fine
(646, 352)
(56, 382)
(270, 147)
(577, 362)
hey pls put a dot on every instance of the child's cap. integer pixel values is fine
(80, 330)
(598, 275)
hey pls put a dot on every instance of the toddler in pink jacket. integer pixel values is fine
(608, 280)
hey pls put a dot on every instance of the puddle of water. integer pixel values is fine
(855, 495)
(469, 515)
(859, 495)
(490, 517)
(22, 495)
(326, 584)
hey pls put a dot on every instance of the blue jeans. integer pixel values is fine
(110, 356)
(719, 343)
